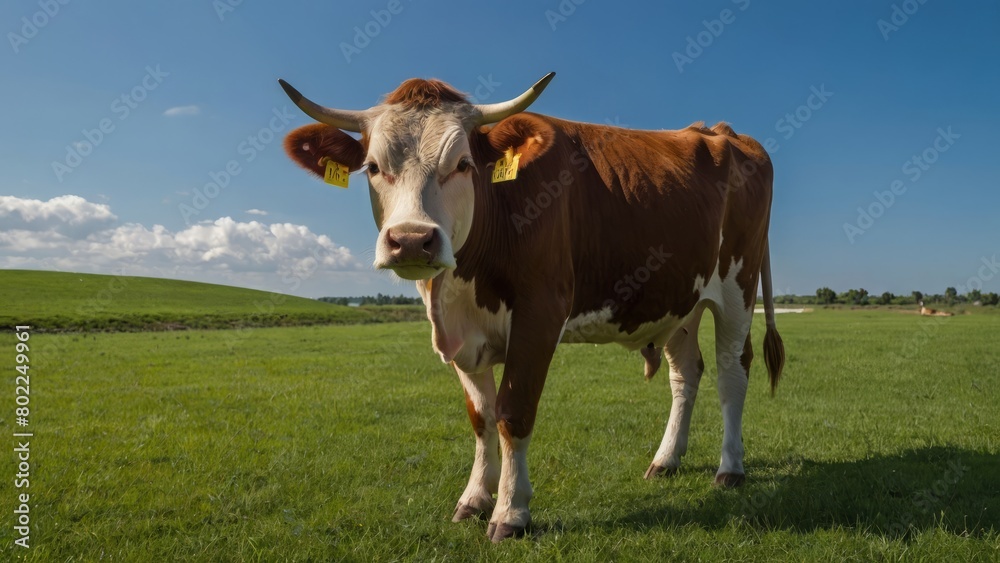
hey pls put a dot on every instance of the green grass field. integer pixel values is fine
(62, 301)
(351, 443)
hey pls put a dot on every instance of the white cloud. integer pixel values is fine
(70, 233)
(182, 110)
(260, 212)
(68, 215)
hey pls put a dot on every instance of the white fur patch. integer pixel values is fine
(595, 327)
(483, 334)
(515, 487)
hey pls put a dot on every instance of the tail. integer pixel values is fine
(774, 348)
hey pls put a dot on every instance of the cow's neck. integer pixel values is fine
(466, 304)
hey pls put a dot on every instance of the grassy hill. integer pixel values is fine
(63, 301)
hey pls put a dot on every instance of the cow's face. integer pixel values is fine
(419, 168)
(415, 150)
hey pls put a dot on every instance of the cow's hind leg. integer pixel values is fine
(480, 400)
(733, 355)
(686, 367)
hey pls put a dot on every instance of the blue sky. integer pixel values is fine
(200, 86)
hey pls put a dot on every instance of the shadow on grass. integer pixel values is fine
(896, 497)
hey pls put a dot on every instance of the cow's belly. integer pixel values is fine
(595, 327)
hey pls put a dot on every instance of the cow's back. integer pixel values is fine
(650, 215)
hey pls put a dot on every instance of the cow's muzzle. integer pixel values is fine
(413, 251)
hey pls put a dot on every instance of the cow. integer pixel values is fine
(927, 312)
(523, 231)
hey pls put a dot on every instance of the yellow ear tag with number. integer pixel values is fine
(336, 174)
(506, 168)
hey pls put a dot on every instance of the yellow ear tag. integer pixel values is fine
(506, 168)
(336, 174)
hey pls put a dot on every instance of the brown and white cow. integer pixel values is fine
(605, 235)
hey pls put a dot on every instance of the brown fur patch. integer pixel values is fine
(421, 93)
(746, 358)
(528, 134)
(478, 424)
(659, 189)
(308, 145)
(723, 128)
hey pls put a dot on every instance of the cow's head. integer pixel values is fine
(417, 148)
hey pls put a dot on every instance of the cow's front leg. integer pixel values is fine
(528, 356)
(480, 400)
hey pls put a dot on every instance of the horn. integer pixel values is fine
(348, 120)
(491, 113)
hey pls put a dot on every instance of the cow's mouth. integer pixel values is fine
(416, 272)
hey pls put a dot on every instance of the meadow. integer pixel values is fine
(351, 443)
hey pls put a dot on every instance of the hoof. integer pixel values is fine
(465, 511)
(659, 471)
(499, 532)
(729, 480)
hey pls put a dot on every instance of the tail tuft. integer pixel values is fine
(774, 356)
(774, 348)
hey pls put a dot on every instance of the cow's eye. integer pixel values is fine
(464, 164)
(372, 168)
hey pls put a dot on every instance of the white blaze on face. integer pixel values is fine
(420, 185)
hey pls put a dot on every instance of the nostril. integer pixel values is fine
(393, 243)
(430, 240)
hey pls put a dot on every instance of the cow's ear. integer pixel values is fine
(528, 134)
(310, 145)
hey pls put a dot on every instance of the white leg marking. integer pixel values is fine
(515, 488)
(684, 357)
(484, 480)
(732, 325)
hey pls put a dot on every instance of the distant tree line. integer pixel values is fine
(377, 300)
(861, 297)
